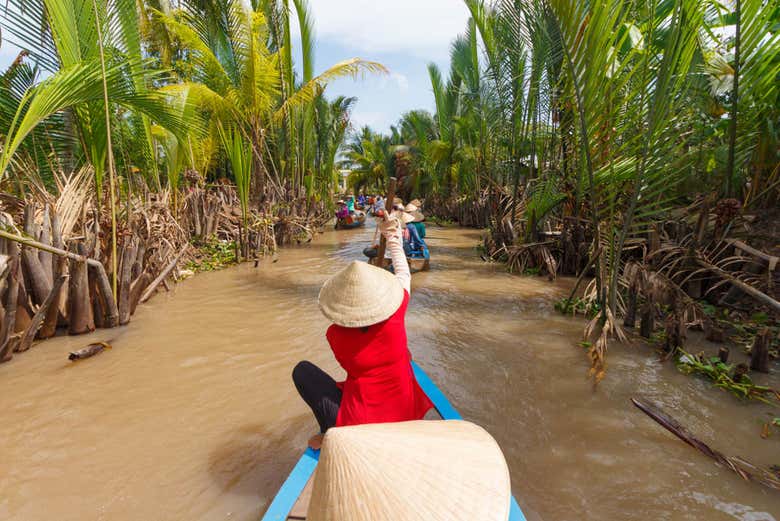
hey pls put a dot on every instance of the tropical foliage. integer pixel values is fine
(607, 113)
(150, 91)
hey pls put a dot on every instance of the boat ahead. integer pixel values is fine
(292, 500)
(353, 221)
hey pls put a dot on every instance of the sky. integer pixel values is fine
(403, 35)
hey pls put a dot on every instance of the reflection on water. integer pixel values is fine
(193, 415)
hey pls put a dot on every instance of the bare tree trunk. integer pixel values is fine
(759, 352)
(46, 259)
(128, 259)
(34, 271)
(49, 327)
(10, 304)
(79, 305)
(26, 342)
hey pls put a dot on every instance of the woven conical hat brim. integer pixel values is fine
(431, 470)
(360, 295)
(418, 217)
(406, 218)
(410, 208)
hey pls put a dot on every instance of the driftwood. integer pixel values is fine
(744, 469)
(162, 276)
(26, 342)
(90, 350)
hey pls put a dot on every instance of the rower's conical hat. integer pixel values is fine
(432, 470)
(360, 295)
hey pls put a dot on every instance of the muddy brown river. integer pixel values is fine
(193, 416)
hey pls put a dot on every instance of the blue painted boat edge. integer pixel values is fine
(292, 487)
(440, 402)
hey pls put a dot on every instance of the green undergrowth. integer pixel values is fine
(742, 327)
(577, 306)
(212, 254)
(722, 375)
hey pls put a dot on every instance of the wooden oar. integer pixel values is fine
(380, 255)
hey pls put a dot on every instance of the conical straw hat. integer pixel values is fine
(431, 470)
(410, 208)
(360, 295)
(406, 218)
(418, 217)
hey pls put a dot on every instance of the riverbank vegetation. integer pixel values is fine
(632, 144)
(131, 131)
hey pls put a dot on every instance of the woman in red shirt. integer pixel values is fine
(367, 306)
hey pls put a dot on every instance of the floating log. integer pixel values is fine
(759, 352)
(744, 469)
(90, 350)
(27, 338)
(163, 275)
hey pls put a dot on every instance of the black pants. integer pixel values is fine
(319, 391)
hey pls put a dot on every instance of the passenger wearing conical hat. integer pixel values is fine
(419, 223)
(368, 339)
(431, 470)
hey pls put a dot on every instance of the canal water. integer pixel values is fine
(192, 415)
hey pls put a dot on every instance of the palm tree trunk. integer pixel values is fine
(258, 184)
(734, 103)
(111, 172)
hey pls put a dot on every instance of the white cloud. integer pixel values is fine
(400, 80)
(423, 28)
(374, 120)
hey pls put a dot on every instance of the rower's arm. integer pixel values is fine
(400, 264)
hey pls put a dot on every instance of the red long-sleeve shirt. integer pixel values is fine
(380, 385)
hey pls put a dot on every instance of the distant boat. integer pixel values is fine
(355, 220)
(292, 500)
(418, 260)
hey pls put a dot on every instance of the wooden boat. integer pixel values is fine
(353, 221)
(420, 261)
(292, 500)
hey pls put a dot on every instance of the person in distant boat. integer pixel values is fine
(342, 212)
(419, 223)
(368, 339)
(413, 242)
(351, 204)
(362, 200)
(379, 203)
